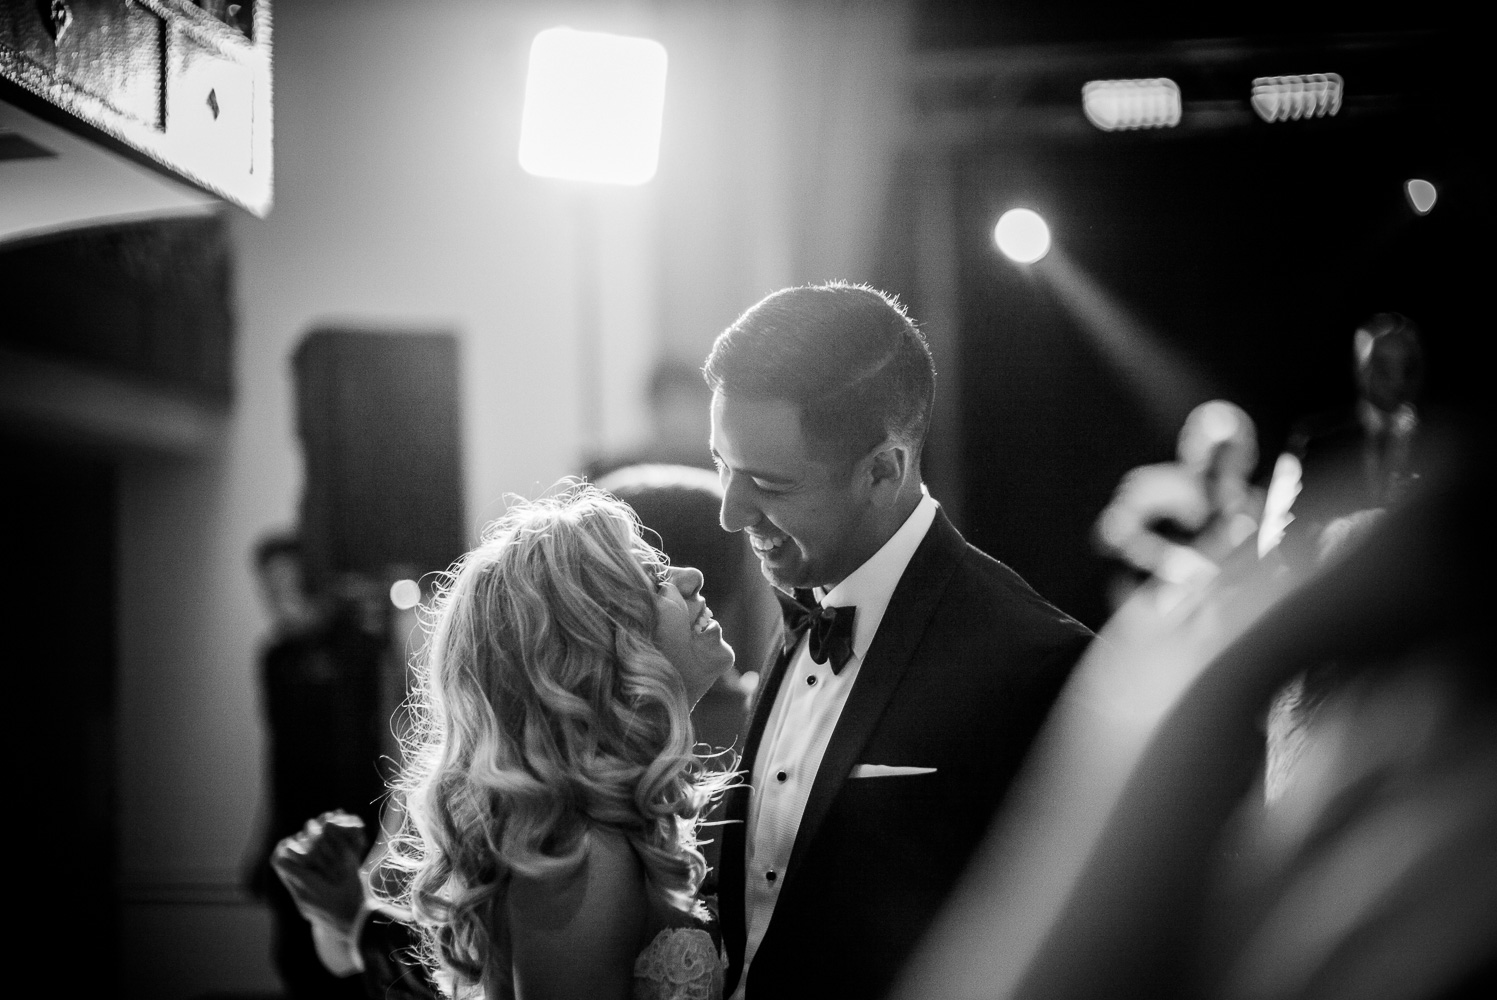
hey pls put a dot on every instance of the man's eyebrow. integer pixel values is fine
(768, 477)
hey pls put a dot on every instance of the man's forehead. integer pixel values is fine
(754, 432)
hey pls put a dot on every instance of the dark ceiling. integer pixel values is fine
(956, 24)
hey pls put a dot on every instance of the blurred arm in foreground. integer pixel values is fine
(1139, 858)
(326, 870)
(319, 865)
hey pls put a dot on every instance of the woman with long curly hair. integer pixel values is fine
(551, 791)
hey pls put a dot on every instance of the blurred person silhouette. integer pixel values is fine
(550, 845)
(1339, 473)
(326, 866)
(1141, 857)
(1362, 457)
(319, 681)
(1181, 520)
(679, 402)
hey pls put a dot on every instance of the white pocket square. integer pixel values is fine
(887, 771)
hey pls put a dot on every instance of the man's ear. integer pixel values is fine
(888, 467)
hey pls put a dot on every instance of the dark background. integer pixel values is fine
(1247, 251)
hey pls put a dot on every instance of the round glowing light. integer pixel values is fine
(405, 594)
(1022, 235)
(1421, 195)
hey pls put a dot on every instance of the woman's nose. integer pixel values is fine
(688, 580)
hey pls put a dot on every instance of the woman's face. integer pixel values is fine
(686, 633)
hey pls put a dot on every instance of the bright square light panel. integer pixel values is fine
(593, 105)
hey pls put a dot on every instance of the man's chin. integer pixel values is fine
(787, 578)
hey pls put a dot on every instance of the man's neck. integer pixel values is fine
(906, 505)
(892, 519)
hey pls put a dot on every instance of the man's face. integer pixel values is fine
(806, 518)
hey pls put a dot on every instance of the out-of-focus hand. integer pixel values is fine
(319, 866)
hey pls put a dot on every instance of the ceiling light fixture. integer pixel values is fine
(1289, 98)
(1115, 105)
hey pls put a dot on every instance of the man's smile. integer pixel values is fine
(765, 546)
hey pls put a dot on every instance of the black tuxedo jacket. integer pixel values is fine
(961, 673)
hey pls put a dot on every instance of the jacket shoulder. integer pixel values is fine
(988, 594)
(981, 578)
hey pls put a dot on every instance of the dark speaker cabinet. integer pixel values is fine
(378, 416)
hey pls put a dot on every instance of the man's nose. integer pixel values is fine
(737, 513)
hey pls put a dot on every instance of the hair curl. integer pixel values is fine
(543, 709)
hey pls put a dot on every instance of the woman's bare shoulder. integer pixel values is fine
(578, 934)
(610, 873)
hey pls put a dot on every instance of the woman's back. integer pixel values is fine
(598, 932)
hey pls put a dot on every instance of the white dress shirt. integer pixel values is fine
(800, 725)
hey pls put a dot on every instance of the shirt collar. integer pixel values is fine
(872, 584)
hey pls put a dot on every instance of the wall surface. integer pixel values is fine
(399, 203)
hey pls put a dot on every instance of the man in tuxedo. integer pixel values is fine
(915, 670)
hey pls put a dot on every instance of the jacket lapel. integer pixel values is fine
(911, 607)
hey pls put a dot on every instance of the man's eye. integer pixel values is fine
(769, 487)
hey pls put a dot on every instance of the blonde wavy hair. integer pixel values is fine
(543, 709)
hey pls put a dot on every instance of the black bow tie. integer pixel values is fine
(831, 628)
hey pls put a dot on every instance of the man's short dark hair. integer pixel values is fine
(847, 356)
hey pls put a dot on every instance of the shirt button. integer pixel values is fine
(769, 875)
(781, 776)
(811, 680)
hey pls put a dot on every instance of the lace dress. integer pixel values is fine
(680, 963)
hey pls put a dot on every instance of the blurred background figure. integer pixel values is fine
(319, 684)
(1362, 457)
(1340, 472)
(1180, 520)
(679, 408)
